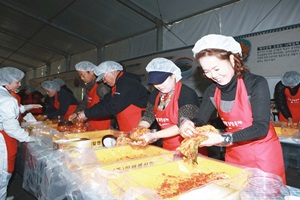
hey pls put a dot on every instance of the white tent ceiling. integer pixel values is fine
(35, 33)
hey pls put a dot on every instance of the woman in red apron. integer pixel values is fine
(128, 97)
(95, 91)
(64, 102)
(10, 130)
(167, 103)
(287, 98)
(243, 104)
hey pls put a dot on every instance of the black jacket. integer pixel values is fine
(129, 90)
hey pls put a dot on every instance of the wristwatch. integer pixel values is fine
(227, 138)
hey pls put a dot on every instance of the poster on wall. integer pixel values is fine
(273, 52)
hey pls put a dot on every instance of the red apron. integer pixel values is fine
(16, 96)
(129, 118)
(264, 153)
(96, 124)
(169, 117)
(293, 103)
(11, 147)
(70, 110)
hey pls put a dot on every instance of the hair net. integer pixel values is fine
(164, 65)
(106, 67)
(214, 41)
(291, 79)
(9, 75)
(50, 85)
(85, 66)
(59, 81)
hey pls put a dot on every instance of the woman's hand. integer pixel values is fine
(213, 139)
(32, 106)
(72, 117)
(290, 122)
(187, 128)
(81, 116)
(146, 139)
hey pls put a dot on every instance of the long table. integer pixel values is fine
(46, 177)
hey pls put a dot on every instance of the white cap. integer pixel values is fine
(214, 41)
(164, 65)
(85, 66)
(50, 85)
(106, 67)
(9, 75)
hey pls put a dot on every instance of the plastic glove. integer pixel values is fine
(81, 116)
(146, 139)
(187, 128)
(72, 117)
(290, 122)
(213, 139)
(32, 106)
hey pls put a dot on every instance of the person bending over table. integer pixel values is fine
(243, 103)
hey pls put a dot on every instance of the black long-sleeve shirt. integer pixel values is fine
(280, 98)
(259, 98)
(129, 90)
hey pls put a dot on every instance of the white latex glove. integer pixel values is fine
(290, 122)
(187, 128)
(81, 116)
(72, 116)
(146, 139)
(32, 106)
(213, 139)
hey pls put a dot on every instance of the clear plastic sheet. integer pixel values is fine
(90, 183)
(42, 133)
(36, 160)
(77, 174)
(63, 174)
(72, 173)
(144, 183)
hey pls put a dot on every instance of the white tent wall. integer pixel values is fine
(132, 47)
(239, 18)
(187, 32)
(89, 56)
(236, 19)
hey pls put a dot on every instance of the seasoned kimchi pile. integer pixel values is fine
(189, 146)
(175, 185)
(133, 137)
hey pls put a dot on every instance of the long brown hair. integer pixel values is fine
(239, 66)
